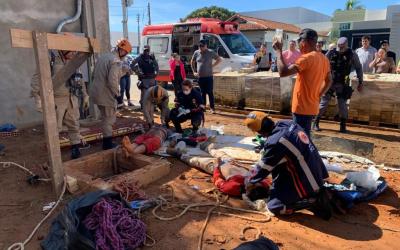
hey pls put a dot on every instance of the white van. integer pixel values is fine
(223, 37)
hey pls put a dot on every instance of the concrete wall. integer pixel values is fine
(319, 26)
(395, 34)
(345, 16)
(17, 65)
(379, 24)
(371, 15)
(289, 15)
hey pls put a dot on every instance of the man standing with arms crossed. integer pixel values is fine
(202, 66)
(105, 89)
(313, 77)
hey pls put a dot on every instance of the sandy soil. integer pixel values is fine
(367, 226)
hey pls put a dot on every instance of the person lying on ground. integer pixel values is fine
(188, 106)
(147, 143)
(156, 96)
(229, 176)
(297, 169)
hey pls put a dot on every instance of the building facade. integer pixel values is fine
(298, 16)
(261, 31)
(379, 24)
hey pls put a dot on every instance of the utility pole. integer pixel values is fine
(148, 13)
(125, 18)
(138, 31)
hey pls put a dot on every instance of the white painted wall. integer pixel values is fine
(395, 34)
(371, 15)
(319, 26)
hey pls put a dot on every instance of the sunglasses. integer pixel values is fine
(202, 45)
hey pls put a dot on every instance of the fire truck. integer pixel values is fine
(224, 38)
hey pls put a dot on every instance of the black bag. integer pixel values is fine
(67, 230)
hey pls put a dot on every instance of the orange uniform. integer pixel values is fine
(313, 68)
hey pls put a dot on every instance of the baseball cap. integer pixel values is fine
(342, 41)
(146, 47)
(308, 34)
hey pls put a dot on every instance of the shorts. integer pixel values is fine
(151, 142)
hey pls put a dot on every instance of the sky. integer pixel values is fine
(168, 11)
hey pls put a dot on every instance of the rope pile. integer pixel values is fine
(116, 227)
(129, 191)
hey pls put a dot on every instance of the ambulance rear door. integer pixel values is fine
(160, 45)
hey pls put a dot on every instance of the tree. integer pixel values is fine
(353, 5)
(210, 12)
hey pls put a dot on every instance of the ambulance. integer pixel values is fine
(224, 38)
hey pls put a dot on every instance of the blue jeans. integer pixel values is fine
(304, 121)
(125, 87)
(207, 88)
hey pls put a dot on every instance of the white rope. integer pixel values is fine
(21, 245)
(7, 164)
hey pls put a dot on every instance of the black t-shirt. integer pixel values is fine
(191, 101)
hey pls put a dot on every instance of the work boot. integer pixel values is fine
(108, 143)
(316, 124)
(75, 152)
(343, 126)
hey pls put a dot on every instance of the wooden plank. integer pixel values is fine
(23, 39)
(49, 112)
(69, 68)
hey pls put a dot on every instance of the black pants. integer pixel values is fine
(207, 88)
(125, 87)
(195, 118)
(177, 86)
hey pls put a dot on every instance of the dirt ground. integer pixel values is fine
(374, 225)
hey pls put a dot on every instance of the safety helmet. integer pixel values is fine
(158, 93)
(254, 120)
(125, 45)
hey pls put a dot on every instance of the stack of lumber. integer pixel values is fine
(229, 88)
(379, 102)
(267, 91)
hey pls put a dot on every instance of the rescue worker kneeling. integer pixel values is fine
(188, 106)
(156, 96)
(297, 169)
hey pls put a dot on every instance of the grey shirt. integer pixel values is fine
(204, 62)
(366, 56)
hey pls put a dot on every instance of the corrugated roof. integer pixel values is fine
(251, 23)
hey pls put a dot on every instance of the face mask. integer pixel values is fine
(186, 92)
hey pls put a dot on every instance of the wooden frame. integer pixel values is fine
(41, 42)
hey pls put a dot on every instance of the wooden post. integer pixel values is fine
(49, 113)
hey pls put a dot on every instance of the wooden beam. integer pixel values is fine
(49, 112)
(23, 39)
(69, 68)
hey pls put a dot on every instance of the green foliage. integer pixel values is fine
(210, 12)
(353, 5)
